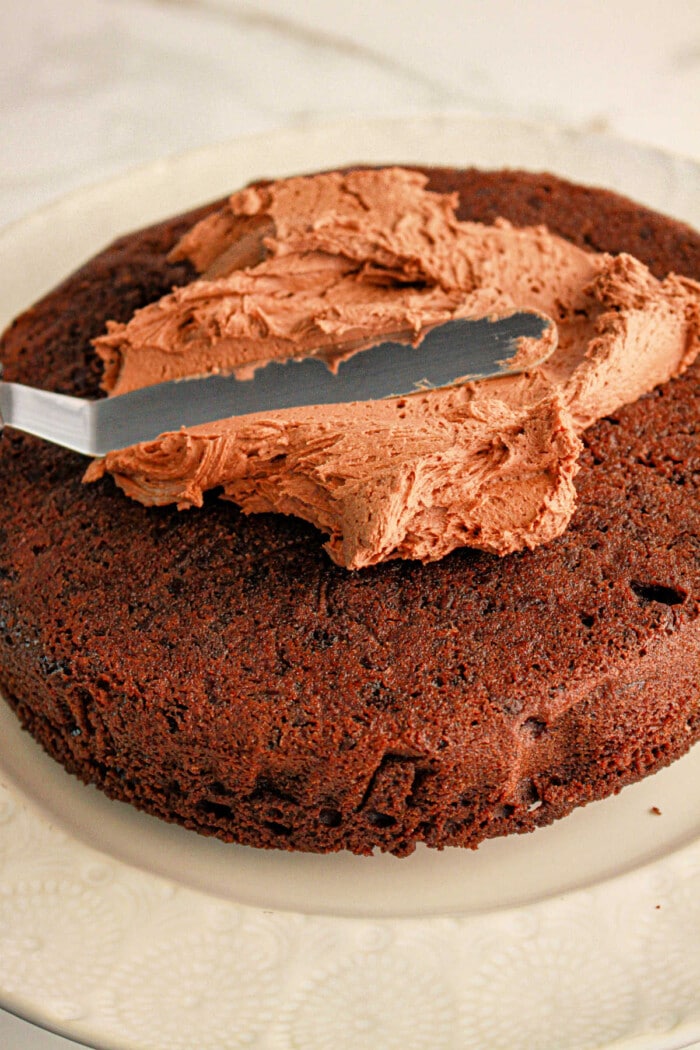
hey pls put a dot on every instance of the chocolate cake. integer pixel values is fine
(219, 670)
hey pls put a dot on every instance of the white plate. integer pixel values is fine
(128, 933)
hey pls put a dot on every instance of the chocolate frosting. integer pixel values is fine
(338, 261)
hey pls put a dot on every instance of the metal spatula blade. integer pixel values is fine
(455, 351)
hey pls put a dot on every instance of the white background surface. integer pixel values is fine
(91, 88)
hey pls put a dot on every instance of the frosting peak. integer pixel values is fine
(332, 263)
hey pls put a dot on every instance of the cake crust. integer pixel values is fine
(219, 671)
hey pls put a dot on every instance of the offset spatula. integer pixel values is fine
(452, 352)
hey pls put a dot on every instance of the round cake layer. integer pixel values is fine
(219, 671)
